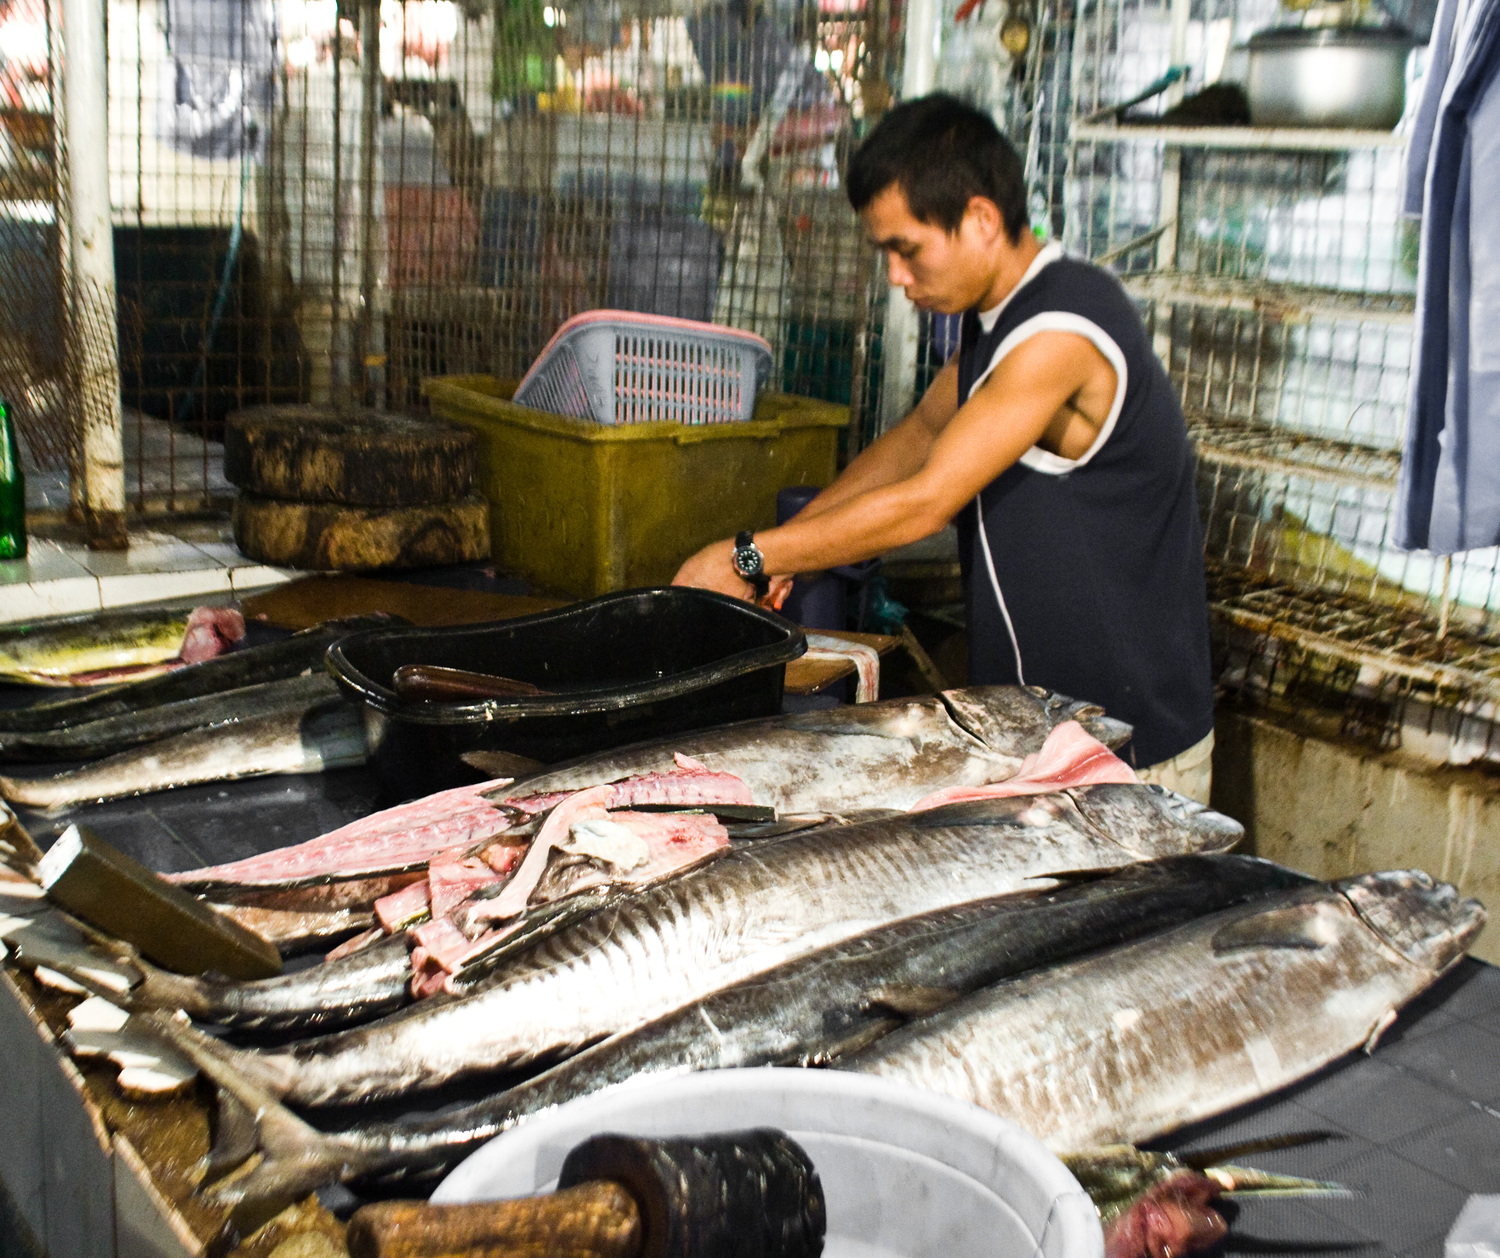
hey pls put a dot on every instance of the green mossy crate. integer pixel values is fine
(585, 508)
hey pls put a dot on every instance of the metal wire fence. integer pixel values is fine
(326, 203)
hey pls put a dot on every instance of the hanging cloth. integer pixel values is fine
(1448, 497)
(1447, 24)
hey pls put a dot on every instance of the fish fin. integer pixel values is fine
(1075, 877)
(18, 850)
(1298, 926)
(1198, 1159)
(854, 1042)
(234, 1138)
(1246, 1181)
(502, 764)
(1382, 1025)
(295, 1158)
(907, 1000)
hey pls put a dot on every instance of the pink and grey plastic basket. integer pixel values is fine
(619, 367)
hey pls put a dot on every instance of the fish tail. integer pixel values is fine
(104, 948)
(44, 793)
(294, 1157)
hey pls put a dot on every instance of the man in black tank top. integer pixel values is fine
(1053, 439)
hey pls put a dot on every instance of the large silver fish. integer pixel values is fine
(109, 735)
(888, 754)
(760, 906)
(803, 1013)
(1123, 1047)
(304, 736)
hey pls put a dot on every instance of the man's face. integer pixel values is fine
(942, 271)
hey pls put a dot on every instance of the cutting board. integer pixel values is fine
(309, 601)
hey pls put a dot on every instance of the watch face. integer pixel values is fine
(748, 561)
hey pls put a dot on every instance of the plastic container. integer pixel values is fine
(1476, 1231)
(905, 1173)
(584, 508)
(618, 367)
(625, 667)
(665, 264)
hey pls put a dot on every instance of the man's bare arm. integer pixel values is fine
(899, 453)
(1003, 419)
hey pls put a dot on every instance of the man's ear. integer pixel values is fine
(986, 217)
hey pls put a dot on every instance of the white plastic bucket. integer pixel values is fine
(906, 1173)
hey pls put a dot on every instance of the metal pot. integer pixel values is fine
(1333, 76)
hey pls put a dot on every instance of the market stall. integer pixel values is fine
(1389, 1144)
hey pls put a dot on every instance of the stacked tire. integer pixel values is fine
(353, 490)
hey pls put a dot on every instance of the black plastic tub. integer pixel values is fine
(621, 668)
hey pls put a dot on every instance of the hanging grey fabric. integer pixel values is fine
(220, 79)
(1449, 494)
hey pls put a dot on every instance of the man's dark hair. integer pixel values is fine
(940, 152)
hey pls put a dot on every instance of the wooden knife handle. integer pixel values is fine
(593, 1220)
(433, 683)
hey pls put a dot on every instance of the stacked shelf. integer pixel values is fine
(1391, 639)
(1241, 443)
(1390, 632)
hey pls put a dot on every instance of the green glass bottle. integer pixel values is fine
(12, 490)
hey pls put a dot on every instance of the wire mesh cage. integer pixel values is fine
(325, 202)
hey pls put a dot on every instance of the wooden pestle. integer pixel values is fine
(754, 1193)
(594, 1220)
(432, 683)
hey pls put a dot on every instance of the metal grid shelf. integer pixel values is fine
(1275, 301)
(1239, 443)
(1275, 139)
(1392, 640)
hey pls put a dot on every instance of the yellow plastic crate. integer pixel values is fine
(585, 508)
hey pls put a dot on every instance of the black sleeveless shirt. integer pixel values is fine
(1100, 559)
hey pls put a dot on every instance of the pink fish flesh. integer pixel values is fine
(450, 883)
(400, 907)
(1069, 757)
(589, 803)
(403, 837)
(409, 835)
(673, 844)
(210, 631)
(1170, 1219)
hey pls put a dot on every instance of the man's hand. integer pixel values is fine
(776, 595)
(712, 568)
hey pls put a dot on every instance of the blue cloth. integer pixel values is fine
(1445, 31)
(1448, 498)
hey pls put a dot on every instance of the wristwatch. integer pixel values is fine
(750, 563)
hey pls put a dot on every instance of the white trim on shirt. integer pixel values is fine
(1037, 459)
(1049, 254)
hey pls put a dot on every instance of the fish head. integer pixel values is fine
(1015, 720)
(1154, 821)
(1426, 921)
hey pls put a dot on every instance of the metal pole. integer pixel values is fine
(898, 372)
(96, 352)
(370, 356)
